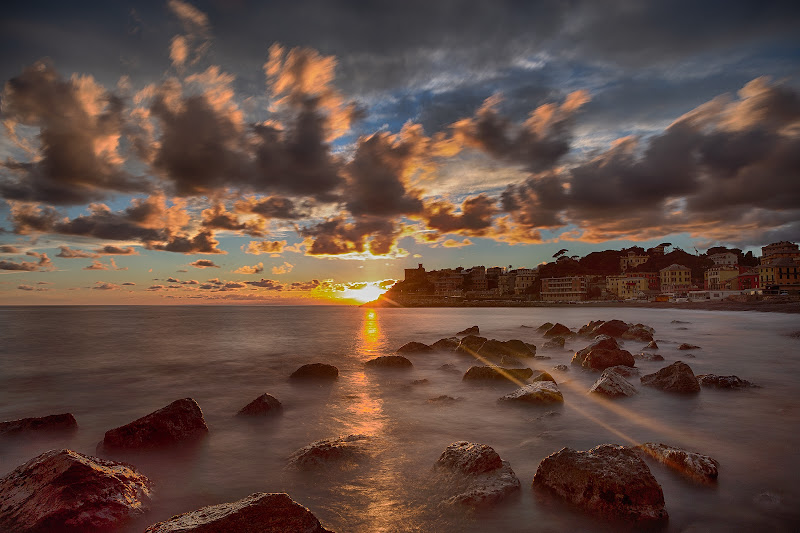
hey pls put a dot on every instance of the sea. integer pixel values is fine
(111, 365)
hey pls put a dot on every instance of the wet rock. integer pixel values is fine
(51, 423)
(488, 478)
(612, 328)
(723, 382)
(562, 368)
(691, 464)
(414, 347)
(262, 406)
(600, 359)
(528, 327)
(617, 328)
(448, 368)
(328, 451)
(679, 322)
(493, 349)
(470, 344)
(612, 385)
(677, 377)
(443, 399)
(538, 392)
(608, 480)
(420, 382)
(510, 361)
(389, 361)
(639, 332)
(258, 513)
(558, 330)
(63, 490)
(556, 343)
(543, 376)
(648, 356)
(497, 373)
(316, 371)
(518, 348)
(445, 345)
(544, 327)
(686, 346)
(622, 370)
(472, 330)
(652, 345)
(587, 329)
(601, 341)
(180, 421)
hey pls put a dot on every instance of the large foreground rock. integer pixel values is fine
(62, 422)
(609, 480)
(470, 344)
(612, 385)
(329, 451)
(180, 421)
(677, 377)
(264, 405)
(258, 513)
(600, 359)
(414, 347)
(389, 361)
(601, 341)
(617, 328)
(723, 382)
(316, 371)
(488, 478)
(538, 392)
(476, 373)
(63, 490)
(691, 464)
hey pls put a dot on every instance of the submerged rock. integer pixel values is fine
(556, 343)
(519, 348)
(389, 361)
(62, 422)
(489, 479)
(601, 358)
(648, 356)
(622, 370)
(180, 421)
(414, 347)
(448, 367)
(691, 464)
(445, 345)
(652, 345)
(544, 327)
(538, 392)
(543, 376)
(609, 480)
(562, 368)
(443, 399)
(316, 371)
(617, 328)
(328, 451)
(677, 377)
(686, 346)
(558, 330)
(470, 344)
(63, 490)
(638, 332)
(262, 406)
(612, 385)
(258, 513)
(723, 382)
(472, 330)
(497, 373)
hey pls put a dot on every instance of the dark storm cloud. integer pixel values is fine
(217, 217)
(337, 236)
(475, 217)
(270, 207)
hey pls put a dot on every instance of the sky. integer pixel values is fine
(305, 152)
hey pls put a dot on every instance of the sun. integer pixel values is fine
(367, 293)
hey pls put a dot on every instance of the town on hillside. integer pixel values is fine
(656, 274)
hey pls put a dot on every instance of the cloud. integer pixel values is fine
(68, 253)
(116, 250)
(270, 207)
(154, 288)
(475, 217)
(268, 284)
(96, 265)
(26, 288)
(305, 285)
(265, 247)
(44, 263)
(255, 269)
(130, 283)
(283, 269)
(8, 249)
(452, 243)
(106, 286)
(337, 236)
(217, 217)
(197, 38)
(204, 263)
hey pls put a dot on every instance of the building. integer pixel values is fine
(785, 270)
(747, 280)
(656, 250)
(631, 287)
(448, 283)
(716, 277)
(653, 279)
(725, 258)
(475, 279)
(493, 276)
(568, 289)
(505, 283)
(523, 278)
(631, 259)
(778, 268)
(415, 275)
(675, 278)
(779, 249)
(613, 284)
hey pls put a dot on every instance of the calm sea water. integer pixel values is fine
(111, 365)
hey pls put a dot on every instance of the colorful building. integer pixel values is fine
(716, 277)
(631, 259)
(675, 278)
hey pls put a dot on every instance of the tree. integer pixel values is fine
(560, 253)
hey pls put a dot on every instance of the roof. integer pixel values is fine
(675, 266)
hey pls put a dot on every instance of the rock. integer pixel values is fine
(686, 346)
(587, 329)
(677, 377)
(652, 345)
(493, 349)
(562, 368)
(608, 480)
(612, 385)
(262, 406)
(723, 382)
(316, 371)
(470, 344)
(443, 399)
(556, 343)
(472, 330)
(420, 382)
(618, 328)
(414, 347)
(508, 360)
(389, 361)
(539, 392)
(51, 423)
(497, 373)
(691, 464)
(622, 370)
(448, 368)
(63, 490)
(558, 330)
(543, 376)
(517, 348)
(612, 328)
(260, 512)
(639, 332)
(180, 421)
(600, 359)
(648, 356)
(328, 451)
(488, 478)
(445, 345)
(679, 322)
(528, 327)
(544, 327)
(601, 341)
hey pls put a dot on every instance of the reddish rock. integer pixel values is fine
(600, 359)
(262, 406)
(556, 343)
(558, 330)
(691, 464)
(487, 478)
(622, 370)
(258, 513)
(445, 345)
(538, 392)
(63, 422)
(638, 332)
(723, 382)
(316, 371)
(612, 385)
(470, 344)
(601, 341)
(328, 451)
(66, 491)
(612, 328)
(544, 327)
(414, 347)
(180, 421)
(493, 348)
(472, 330)
(543, 376)
(389, 361)
(652, 345)
(519, 348)
(686, 346)
(648, 356)
(608, 480)
(677, 377)
(469, 458)
(497, 373)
